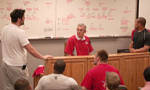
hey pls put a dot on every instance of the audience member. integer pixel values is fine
(95, 78)
(57, 81)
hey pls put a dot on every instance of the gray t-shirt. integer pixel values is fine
(141, 38)
(57, 82)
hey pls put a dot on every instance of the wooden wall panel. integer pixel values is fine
(79, 70)
(128, 73)
(142, 63)
(90, 63)
(130, 65)
(75, 68)
(114, 63)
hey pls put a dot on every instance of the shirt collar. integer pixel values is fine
(80, 38)
(14, 25)
(142, 30)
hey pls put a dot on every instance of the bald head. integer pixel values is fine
(59, 66)
(142, 21)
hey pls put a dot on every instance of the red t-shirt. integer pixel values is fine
(83, 47)
(95, 78)
(132, 35)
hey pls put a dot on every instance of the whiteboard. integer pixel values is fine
(59, 18)
(144, 11)
(102, 17)
(39, 16)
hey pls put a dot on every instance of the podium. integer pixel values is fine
(130, 66)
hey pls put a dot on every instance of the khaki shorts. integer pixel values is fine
(10, 74)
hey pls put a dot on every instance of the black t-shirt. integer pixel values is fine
(141, 38)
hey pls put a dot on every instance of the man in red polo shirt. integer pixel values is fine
(95, 78)
(79, 42)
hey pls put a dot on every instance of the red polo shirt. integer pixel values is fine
(83, 47)
(95, 78)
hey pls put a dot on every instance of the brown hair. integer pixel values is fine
(22, 84)
(103, 55)
(16, 13)
(59, 66)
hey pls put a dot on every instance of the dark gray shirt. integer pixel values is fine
(141, 38)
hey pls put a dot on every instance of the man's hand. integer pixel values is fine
(47, 57)
(84, 88)
(132, 50)
(143, 49)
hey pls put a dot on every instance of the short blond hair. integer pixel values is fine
(112, 81)
(82, 25)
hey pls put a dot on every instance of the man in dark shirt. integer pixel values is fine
(140, 37)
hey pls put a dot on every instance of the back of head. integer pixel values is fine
(147, 74)
(103, 55)
(59, 66)
(142, 21)
(112, 81)
(22, 84)
(15, 14)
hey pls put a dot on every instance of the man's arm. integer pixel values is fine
(69, 48)
(143, 49)
(66, 54)
(35, 53)
(131, 47)
(90, 48)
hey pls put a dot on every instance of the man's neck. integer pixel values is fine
(55, 72)
(141, 29)
(17, 24)
(81, 37)
(100, 62)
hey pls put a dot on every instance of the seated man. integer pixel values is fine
(80, 43)
(147, 79)
(57, 81)
(140, 37)
(22, 84)
(112, 81)
(95, 78)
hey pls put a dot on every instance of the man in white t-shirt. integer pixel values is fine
(14, 56)
(57, 81)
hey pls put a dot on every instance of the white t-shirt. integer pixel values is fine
(57, 82)
(13, 41)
